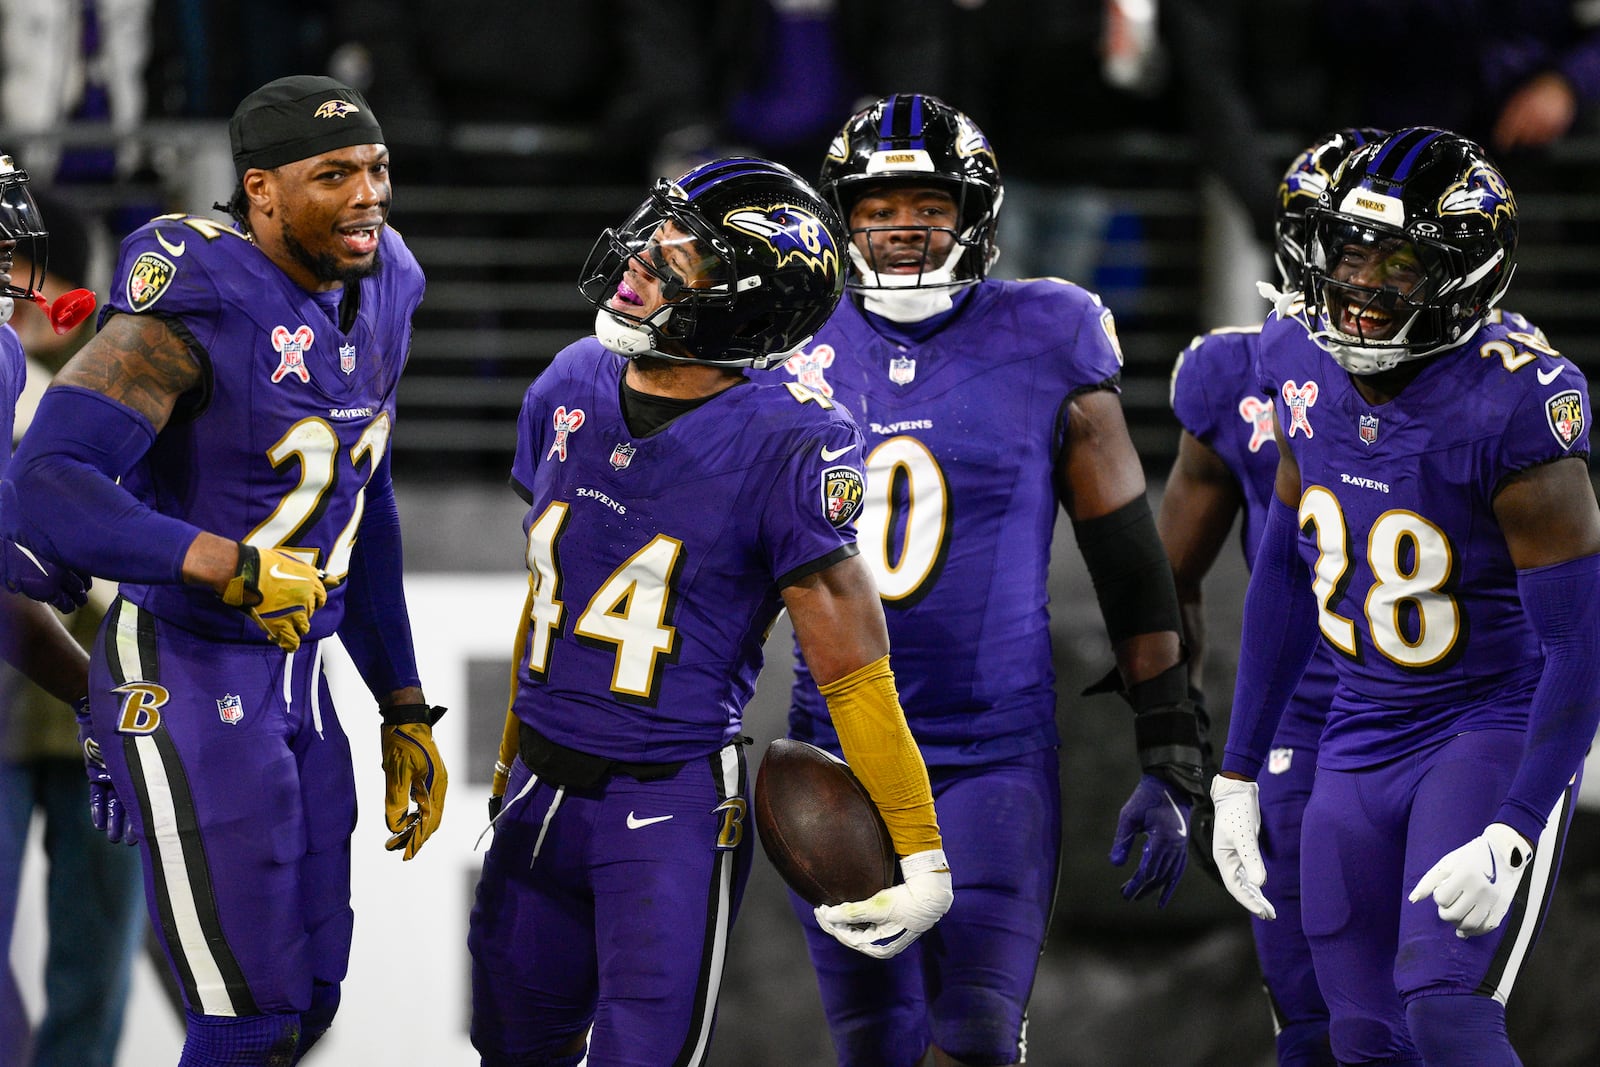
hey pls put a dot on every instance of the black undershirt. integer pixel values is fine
(645, 413)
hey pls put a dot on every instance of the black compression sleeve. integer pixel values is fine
(1129, 569)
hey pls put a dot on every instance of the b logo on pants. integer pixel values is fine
(141, 707)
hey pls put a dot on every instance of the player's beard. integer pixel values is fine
(325, 267)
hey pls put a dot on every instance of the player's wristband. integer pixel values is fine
(403, 714)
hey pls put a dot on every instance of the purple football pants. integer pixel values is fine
(1299, 1014)
(964, 985)
(1370, 835)
(237, 779)
(611, 907)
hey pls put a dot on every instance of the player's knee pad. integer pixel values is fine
(880, 1046)
(1364, 1040)
(245, 1041)
(1305, 1045)
(1459, 1028)
(977, 1027)
(315, 1020)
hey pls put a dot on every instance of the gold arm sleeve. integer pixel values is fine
(510, 737)
(880, 749)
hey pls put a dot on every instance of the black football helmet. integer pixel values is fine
(21, 221)
(916, 139)
(1303, 183)
(770, 271)
(1438, 193)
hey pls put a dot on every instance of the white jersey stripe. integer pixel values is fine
(161, 829)
(161, 822)
(1538, 890)
(729, 769)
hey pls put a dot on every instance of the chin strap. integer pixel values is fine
(623, 338)
(908, 297)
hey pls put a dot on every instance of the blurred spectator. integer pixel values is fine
(209, 53)
(1512, 75)
(632, 70)
(74, 61)
(93, 896)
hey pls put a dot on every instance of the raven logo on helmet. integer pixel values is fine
(970, 141)
(1481, 191)
(791, 232)
(1305, 177)
(334, 109)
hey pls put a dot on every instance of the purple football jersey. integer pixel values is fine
(297, 414)
(1417, 593)
(657, 560)
(963, 431)
(1215, 397)
(13, 375)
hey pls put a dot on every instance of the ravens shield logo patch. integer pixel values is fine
(1565, 412)
(842, 488)
(148, 278)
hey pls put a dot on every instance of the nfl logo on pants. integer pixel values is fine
(230, 709)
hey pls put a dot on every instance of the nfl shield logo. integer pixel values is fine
(230, 709)
(621, 456)
(347, 358)
(1369, 429)
(1278, 760)
(902, 369)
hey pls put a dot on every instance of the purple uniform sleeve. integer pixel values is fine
(1194, 409)
(1563, 603)
(809, 521)
(60, 496)
(1279, 638)
(376, 629)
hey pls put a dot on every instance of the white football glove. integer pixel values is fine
(1235, 843)
(886, 923)
(1473, 885)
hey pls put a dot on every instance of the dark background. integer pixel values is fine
(520, 129)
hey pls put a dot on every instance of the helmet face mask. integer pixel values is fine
(737, 263)
(892, 252)
(658, 241)
(22, 222)
(1408, 250)
(1302, 184)
(915, 141)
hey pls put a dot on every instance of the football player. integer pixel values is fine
(1434, 522)
(984, 406)
(88, 965)
(1226, 463)
(220, 449)
(674, 508)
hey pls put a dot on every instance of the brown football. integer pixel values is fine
(818, 826)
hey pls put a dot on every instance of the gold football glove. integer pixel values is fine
(412, 771)
(279, 591)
